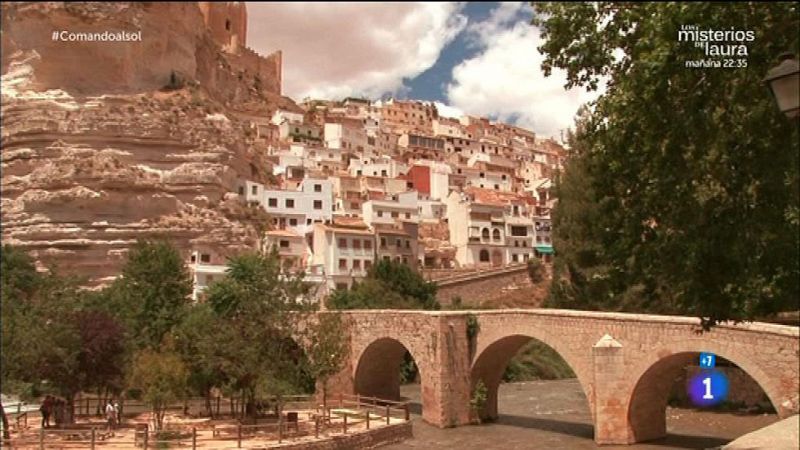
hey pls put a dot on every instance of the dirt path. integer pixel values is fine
(554, 415)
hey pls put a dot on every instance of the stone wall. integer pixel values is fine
(506, 287)
(364, 439)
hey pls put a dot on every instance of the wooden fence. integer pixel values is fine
(342, 413)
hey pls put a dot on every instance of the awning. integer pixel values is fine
(544, 249)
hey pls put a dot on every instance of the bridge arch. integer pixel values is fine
(376, 371)
(493, 355)
(654, 375)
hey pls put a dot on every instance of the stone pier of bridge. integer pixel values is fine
(625, 363)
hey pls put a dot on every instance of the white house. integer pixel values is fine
(345, 250)
(280, 116)
(402, 206)
(300, 209)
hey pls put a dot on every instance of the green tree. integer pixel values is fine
(197, 341)
(161, 376)
(694, 172)
(536, 270)
(256, 303)
(153, 291)
(389, 285)
(328, 346)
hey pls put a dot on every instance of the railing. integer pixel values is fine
(342, 414)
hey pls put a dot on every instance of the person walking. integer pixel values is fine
(111, 415)
(117, 413)
(46, 409)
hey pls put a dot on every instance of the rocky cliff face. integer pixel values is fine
(91, 165)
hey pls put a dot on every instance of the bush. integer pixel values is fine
(537, 361)
(478, 399)
(535, 271)
(473, 327)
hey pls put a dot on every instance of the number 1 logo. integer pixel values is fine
(707, 383)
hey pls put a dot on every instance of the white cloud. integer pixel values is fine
(448, 111)
(332, 50)
(505, 80)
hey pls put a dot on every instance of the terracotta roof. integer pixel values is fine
(282, 233)
(392, 231)
(344, 221)
(492, 197)
(362, 232)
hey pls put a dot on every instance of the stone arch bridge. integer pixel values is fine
(625, 363)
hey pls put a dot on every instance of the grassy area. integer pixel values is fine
(537, 361)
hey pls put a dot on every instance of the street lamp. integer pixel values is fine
(784, 81)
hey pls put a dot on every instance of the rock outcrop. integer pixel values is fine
(96, 153)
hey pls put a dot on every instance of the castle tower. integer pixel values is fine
(227, 22)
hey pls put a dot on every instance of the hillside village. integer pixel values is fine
(353, 182)
(192, 149)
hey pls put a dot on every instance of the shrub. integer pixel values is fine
(535, 270)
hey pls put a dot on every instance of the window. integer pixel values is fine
(482, 175)
(290, 203)
(405, 260)
(284, 244)
(205, 257)
(367, 264)
(227, 25)
(354, 205)
(317, 204)
(273, 202)
(497, 187)
(383, 173)
(194, 257)
(241, 190)
(368, 245)
(387, 258)
(514, 257)
(383, 242)
(343, 264)
(485, 234)
(395, 214)
(342, 243)
(357, 244)
(293, 222)
(380, 213)
(356, 264)
(538, 239)
(399, 243)
(308, 221)
(408, 243)
(317, 188)
(408, 215)
(496, 235)
(519, 231)
(484, 255)
(254, 190)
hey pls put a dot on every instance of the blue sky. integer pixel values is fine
(473, 58)
(431, 84)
